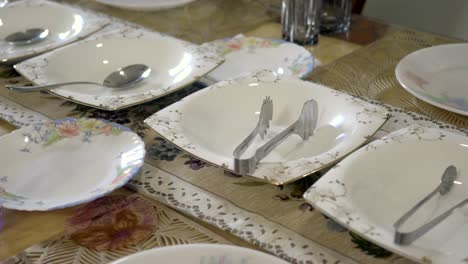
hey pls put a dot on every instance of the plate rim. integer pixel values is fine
(404, 251)
(202, 246)
(147, 8)
(414, 91)
(268, 179)
(135, 171)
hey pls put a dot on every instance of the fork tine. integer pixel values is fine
(261, 128)
(307, 119)
(313, 117)
(267, 115)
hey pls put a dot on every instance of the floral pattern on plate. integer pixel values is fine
(250, 44)
(340, 194)
(57, 152)
(49, 133)
(365, 119)
(437, 75)
(90, 23)
(195, 63)
(250, 54)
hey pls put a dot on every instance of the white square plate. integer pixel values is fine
(209, 124)
(174, 64)
(373, 187)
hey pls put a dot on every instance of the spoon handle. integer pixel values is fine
(44, 87)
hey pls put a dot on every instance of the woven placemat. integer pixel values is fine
(370, 72)
(172, 229)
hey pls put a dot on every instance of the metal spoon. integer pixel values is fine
(27, 37)
(121, 78)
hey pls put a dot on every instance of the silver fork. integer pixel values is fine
(304, 127)
(266, 114)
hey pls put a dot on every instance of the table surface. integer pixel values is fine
(204, 21)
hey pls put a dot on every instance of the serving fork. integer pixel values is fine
(304, 127)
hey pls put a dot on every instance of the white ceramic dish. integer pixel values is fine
(438, 76)
(60, 164)
(200, 254)
(65, 24)
(174, 64)
(251, 54)
(209, 124)
(369, 190)
(145, 5)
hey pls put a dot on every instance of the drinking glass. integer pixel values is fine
(300, 21)
(335, 16)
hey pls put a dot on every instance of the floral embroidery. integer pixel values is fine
(195, 164)
(112, 222)
(163, 150)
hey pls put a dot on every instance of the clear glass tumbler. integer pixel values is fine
(300, 21)
(335, 16)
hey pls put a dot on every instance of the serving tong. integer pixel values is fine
(446, 183)
(304, 127)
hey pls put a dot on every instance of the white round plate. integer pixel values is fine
(210, 124)
(438, 75)
(63, 163)
(174, 64)
(250, 54)
(201, 253)
(65, 24)
(373, 187)
(145, 5)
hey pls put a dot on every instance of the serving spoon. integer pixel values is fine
(27, 37)
(121, 78)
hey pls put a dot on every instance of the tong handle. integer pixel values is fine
(246, 142)
(402, 238)
(413, 210)
(264, 118)
(245, 166)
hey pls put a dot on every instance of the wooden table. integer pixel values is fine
(208, 20)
